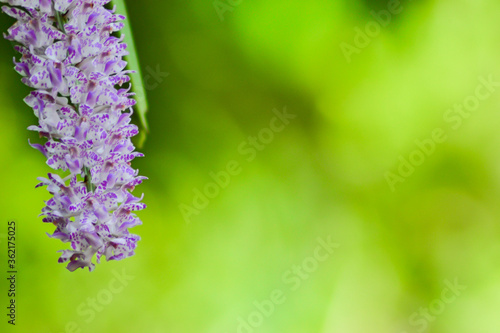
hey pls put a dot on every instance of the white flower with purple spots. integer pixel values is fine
(74, 63)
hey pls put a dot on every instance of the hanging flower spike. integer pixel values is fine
(74, 63)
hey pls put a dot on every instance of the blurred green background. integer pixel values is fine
(324, 175)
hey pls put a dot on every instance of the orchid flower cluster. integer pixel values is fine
(74, 62)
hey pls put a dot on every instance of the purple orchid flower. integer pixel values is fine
(74, 63)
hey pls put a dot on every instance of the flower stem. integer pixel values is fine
(138, 86)
(88, 180)
(60, 21)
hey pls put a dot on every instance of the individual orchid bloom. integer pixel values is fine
(74, 62)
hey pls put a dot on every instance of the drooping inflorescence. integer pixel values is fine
(74, 62)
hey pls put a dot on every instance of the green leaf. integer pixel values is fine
(141, 108)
